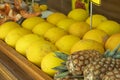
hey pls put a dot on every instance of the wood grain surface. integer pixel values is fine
(32, 70)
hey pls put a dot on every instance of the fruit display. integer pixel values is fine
(64, 46)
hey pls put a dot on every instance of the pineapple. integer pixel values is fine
(78, 60)
(99, 68)
(75, 63)
(112, 75)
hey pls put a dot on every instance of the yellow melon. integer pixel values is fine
(54, 18)
(54, 34)
(112, 41)
(97, 35)
(78, 14)
(110, 27)
(86, 45)
(65, 43)
(79, 29)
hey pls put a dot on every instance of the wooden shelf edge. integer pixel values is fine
(27, 66)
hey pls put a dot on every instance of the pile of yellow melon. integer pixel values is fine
(37, 39)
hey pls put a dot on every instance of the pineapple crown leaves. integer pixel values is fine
(60, 68)
(114, 53)
(61, 55)
(62, 75)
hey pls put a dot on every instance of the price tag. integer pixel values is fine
(97, 2)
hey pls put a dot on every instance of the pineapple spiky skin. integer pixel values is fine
(112, 75)
(97, 69)
(78, 60)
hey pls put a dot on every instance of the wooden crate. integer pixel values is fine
(35, 72)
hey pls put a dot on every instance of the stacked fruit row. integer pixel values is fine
(71, 38)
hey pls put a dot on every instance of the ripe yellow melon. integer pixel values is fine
(79, 29)
(97, 35)
(87, 44)
(24, 42)
(31, 22)
(78, 14)
(36, 51)
(42, 28)
(54, 18)
(113, 41)
(15, 34)
(49, 62)
(110, 27)
(96, 20)
(6, 27)
(65, 23)
(54, 34)
(65, 43)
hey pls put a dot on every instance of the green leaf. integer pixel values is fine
(116, 48)
(60, 68)
(64, 63)
(114, 52)
(116, 56)
(62, 75)
(61, 55)
(106, 53)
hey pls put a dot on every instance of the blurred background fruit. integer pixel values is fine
(79, 29)
(43, 7)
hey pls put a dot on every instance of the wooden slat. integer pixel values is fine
(27, 66)
(13, 68)
(6, 74)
